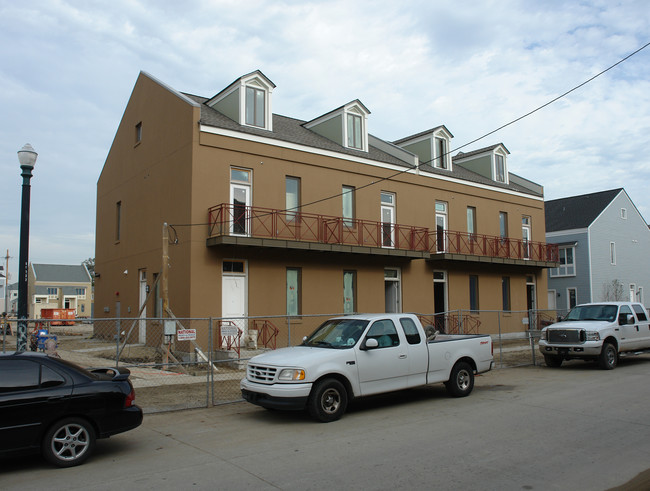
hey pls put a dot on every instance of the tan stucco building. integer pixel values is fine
(59, 286)
(271, 215)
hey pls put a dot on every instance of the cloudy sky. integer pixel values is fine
(67, 69)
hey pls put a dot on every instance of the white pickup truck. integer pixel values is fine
(360, 355)
(597, 331)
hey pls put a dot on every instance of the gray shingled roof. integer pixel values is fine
(577, 212)
(464, 155)
(61, 273)
(421, 133)
(292, 130)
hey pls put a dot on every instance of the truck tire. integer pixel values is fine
(608, 358)
(328, 400)
(553, 361)
(461, 381)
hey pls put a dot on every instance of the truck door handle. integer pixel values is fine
(402, 356)
(637, 327)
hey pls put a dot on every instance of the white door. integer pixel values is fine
(240, 199)
(233, 300)
(441, 226)
(525, 234)
(142, 324)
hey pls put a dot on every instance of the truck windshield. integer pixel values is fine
(592, 313)
(337, 334)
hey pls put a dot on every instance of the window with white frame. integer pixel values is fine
(567, 265)
(347, 196)
(52, 291)
(80, 293)
(255, 107)
(499, 168)
(624, 213)
(572, 297)
(355, 131)
(612, 253)
(440, 153)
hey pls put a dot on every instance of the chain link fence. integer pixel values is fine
(187, 363)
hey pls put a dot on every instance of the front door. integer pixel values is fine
(386, 367)
(234, 295)
(387, 219)
(440, 300)
(392, 290)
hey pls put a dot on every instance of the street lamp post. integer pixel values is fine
(27, 158)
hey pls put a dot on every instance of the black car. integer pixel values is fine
(60, 408)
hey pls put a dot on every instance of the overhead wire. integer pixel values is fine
(391, 176)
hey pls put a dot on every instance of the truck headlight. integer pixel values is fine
(291, 374)
(542, 335)
(593, 336)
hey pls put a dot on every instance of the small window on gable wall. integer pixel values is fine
(138, 132)
(624, 213)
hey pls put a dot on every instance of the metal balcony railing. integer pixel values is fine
(248, 221)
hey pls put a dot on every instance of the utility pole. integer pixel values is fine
(165, 269)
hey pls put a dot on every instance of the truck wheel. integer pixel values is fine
(328, 400)
(69, 442)
(553, 361)
(608, 358)
(461, 381)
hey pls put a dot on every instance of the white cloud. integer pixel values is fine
(71, 65)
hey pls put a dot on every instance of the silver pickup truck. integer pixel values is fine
(360, 355)
(597, 331)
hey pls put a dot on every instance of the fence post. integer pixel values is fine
(289, 331)
(460, 321)
(500, 340)
(530, 333)
(117, 334)
(210, 380)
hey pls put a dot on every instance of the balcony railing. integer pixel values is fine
(247, 221)
(448, 241)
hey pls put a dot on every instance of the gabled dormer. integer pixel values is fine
(491, 162)
(431, 146)
(346, 125)
(247, 101)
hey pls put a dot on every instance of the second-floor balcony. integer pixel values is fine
(266, 227)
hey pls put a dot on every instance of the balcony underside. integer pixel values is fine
(313, 246)
(471, 258)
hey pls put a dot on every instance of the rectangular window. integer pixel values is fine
(503, 225)
(624, 213)
(138, 132)
(255, 107)
(612, 253)
(471, 222)
(572, 297)
(441, 150)
(347, 196)
(567, 265)
(354, 131)
(499, 168)
(294, 300)
(505, 292)
(349, 292)
(80, 292)
(118, 220)
(292, 197)
(233, 266)
(473, 292)
(52, 292)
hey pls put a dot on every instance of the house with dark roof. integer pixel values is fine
(603, 243)
(59, 286)
(276, 216)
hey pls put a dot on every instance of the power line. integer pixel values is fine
(387, 178)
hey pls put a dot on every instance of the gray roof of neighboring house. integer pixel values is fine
(577, 212)
(61, 273)
(293, 131)
(464, 155)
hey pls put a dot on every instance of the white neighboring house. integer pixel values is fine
(603, 244)
(59, 286)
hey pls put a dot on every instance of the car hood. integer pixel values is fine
(296, 356)
(578, 324)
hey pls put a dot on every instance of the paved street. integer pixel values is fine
(529, 428)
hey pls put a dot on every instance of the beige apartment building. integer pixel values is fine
(59, 286)
(274, 216)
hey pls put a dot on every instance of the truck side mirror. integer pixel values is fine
(370, 343)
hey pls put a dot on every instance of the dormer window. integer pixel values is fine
(441, 153)
(354, 131)
(499, 168)
(255, 107)
(247, 101)
(346, 126)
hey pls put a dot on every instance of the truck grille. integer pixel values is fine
(260, 373)
(564, 336)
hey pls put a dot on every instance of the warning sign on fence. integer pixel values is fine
(186, 334)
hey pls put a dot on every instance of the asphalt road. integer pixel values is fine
(531, 428)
